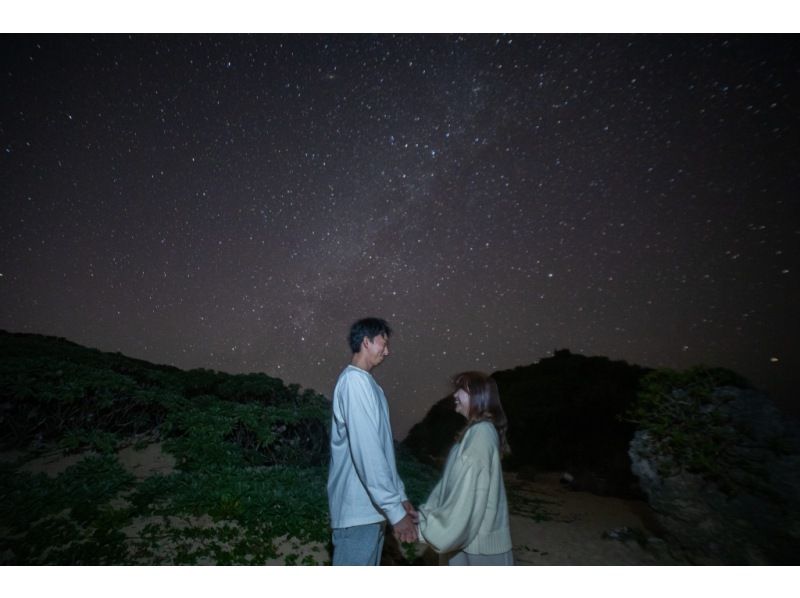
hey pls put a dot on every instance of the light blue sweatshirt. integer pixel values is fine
(363, 484)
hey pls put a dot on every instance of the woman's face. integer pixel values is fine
(462, 402)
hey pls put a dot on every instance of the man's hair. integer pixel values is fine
(484, 403)
(367, 328)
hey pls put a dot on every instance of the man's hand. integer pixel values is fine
(405, 530)
(411, 511)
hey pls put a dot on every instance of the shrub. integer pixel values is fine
(680, 410)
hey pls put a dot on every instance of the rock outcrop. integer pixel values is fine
(743, 509)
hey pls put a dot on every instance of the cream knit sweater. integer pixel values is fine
(467, 509)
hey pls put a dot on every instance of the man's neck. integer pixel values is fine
(359, 361)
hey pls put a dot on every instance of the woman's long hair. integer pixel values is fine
(484, 404)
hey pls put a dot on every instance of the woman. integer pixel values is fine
(465, 518)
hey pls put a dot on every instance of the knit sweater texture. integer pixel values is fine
(467, 509)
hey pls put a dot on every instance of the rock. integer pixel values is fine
(748, 514)
(602, 482)
(626, 534)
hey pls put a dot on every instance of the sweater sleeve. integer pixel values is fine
(453, 518)
(368, 451)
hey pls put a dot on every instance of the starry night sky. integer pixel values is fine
(236, 202)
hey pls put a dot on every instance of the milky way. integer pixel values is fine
(235, 202)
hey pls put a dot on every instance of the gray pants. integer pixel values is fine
(358, 545)
(462, 558)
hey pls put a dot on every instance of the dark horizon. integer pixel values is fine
(784, 407)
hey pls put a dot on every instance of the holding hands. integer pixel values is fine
(405, 530)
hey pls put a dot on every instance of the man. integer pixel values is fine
(364, 489)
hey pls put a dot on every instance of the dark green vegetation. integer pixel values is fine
(250, 458)
(681, 412)
(720, 466)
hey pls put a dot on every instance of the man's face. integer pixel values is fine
(377, 349)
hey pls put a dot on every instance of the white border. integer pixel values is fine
(401, 16)
(400, 582)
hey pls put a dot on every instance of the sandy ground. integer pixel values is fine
(576, 526)
(142, 461)
(146, 461)
(54, 464)
(550, 524)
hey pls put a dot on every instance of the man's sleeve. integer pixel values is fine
(367, 448)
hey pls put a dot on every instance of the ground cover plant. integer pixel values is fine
(249, 462)
(682, 411)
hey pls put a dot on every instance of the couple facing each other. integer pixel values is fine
(465, 518)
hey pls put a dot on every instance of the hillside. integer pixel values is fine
(114, 460)
(57, 391)
(108, 460)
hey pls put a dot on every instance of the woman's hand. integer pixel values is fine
(411, 511)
